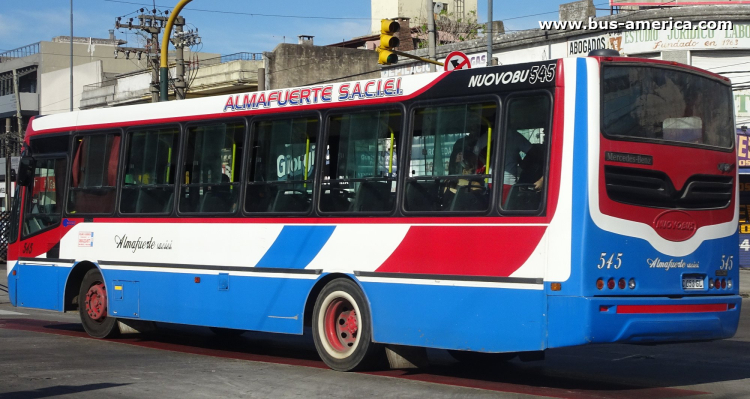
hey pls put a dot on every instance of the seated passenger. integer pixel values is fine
(516, 145)
(468, 164)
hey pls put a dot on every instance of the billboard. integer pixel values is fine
(743, 152)
(661, 3)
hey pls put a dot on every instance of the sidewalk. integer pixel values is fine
(745, 282)
(3, 284)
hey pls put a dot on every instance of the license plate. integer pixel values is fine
(692, 283)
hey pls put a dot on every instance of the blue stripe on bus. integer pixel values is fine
(296, 246)
(580, 177)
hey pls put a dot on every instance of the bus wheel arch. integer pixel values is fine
(313, 295)
(342, 326)
(73, 285)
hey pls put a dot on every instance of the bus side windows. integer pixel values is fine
(94, 174)
(450, 164)
(525, 152)
(360, 170)
(211, 168)
(281, 167)
(150, 167)
(44, 197)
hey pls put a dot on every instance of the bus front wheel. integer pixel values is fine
(342, 328)
(92, 306)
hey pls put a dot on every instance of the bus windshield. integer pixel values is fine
(666, 105)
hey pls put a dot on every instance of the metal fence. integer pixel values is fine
(223, 59)
(189, 65)
(4, 233)
(24, 51)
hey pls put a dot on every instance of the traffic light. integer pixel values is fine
(388, 28)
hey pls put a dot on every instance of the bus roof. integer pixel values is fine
(327, 95)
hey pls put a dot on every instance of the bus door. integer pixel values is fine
(39, 278)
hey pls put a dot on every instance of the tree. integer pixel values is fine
(451, 29)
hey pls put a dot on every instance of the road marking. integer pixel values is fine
(9, 313)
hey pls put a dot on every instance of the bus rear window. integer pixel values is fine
(666, 105)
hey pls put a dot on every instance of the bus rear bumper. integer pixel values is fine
(578, 320)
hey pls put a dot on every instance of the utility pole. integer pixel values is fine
(180, 40)
(7, 164)
(489, 32)
(18, 105)
(179, 55)
(164, 66)
(430, 9)
(71, 56)
(151, 24)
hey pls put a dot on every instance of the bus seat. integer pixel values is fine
(92, 200)
(290, 201)
(128, 199)
(218, 198)
(259, 197)
(470, 198)
(422, 196)
(373, 196)
(335, 200)
(154, 200)
(523, 197)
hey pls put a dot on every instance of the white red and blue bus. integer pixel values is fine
(506, 209)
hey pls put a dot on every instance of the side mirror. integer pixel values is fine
(25, 175)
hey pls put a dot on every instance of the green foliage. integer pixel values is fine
(451, 28)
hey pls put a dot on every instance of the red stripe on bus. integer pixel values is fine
(465, 250)
(632, 309)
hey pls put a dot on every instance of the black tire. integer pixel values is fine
(95, 319)
(341, 303)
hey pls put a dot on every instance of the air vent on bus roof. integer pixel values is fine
(652, 188)
(604, 52)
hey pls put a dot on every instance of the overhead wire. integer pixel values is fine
(247, 13)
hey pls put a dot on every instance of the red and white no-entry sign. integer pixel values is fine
(456, 60)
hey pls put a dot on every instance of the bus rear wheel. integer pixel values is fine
(342, 327)
(92, 306)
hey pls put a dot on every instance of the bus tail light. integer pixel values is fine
(710, 283)
(611, 284)
(599, 284)
(723, 283)
(621, 284)
(729, 283)
(631, 284)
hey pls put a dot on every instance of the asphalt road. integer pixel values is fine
(47, 354)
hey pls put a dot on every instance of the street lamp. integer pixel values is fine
(71, 55)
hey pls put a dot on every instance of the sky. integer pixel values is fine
(230, 27)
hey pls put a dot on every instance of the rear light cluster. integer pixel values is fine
(611, 283)
(720, 284)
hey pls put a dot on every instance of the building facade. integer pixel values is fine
(723, 51)
(415, 10)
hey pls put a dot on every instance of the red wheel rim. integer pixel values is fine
(340, 324)
(96, 302)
